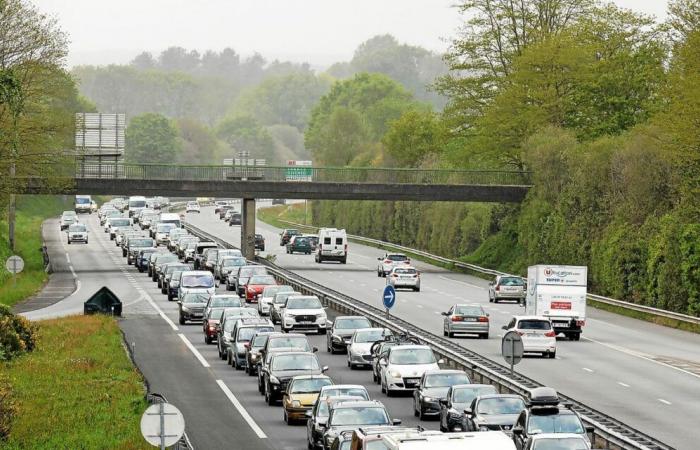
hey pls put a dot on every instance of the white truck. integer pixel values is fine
(558, 293)
(83, 204)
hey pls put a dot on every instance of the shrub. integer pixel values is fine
(7, 408)
(17, 334)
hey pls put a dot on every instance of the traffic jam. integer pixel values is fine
(261, 328)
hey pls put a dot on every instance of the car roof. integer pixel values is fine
(487, 396)
(531, 318)
(292, 335)
(411, 346)
(312, 377)
(350, 317)
(358, 403)
(443, 371)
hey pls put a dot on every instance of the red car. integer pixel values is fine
(255, 285)
(210, 323)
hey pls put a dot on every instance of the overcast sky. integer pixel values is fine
(317, 31)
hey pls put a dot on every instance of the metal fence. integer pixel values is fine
(608, 431)
(313, 174)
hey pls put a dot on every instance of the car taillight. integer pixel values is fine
(498, 288)
(483, 319)
(456, 318)
(550, 334)
(580, 323)
(387, 261)
(520, 333)
(345, 247)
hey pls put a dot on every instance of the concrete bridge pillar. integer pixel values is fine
(248, 228)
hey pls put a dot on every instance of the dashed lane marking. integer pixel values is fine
(588, 370)
(241, 410)
(665, 402)
(623, 384)
(194, 350)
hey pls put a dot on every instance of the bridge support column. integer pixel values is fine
(248, 228)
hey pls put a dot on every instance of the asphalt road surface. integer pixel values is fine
(645, 375)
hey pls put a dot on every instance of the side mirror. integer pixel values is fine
(396, 422)
(468, 411)
(445, 313)
(324, 369)
(518, 431)
(504, 327)
(590, 429)
(314, 349)
(441, 361)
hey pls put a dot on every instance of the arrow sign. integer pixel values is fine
(389, 296)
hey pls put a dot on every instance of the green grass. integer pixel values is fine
(273, 214)
(79, 389)
(671, 323)
(31, 212)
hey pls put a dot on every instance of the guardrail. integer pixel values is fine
(608, 431)
(304, 174)
(483, 270)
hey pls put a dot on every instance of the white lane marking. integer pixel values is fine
(462, 282)
(73, 272)
(638, 355)
(419, 306)
(160, 312)
(67, 257)
(194, 350)
(623, 384)
(241, 410)
(588, 370)
(437, 312)
(665, 402)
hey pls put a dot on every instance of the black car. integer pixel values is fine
(283, 367)
(191, 307)
(544, 414)
(235, 219)
(260, 242)
(227, 322)
(433, 387)
(342, 330)
(458, 399)
(494, 412)
(144, 255)
(252, 354)
(349, 415)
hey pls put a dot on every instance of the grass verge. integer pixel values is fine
(671, 323)
(31, 212)
(273, 214)
(79, 389)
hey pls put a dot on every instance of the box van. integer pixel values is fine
(83, 204)
(136, 204)
(171, 218)
(482, 440)
(197, 281)
(332, 245)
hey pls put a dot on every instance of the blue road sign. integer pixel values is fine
(389, 296)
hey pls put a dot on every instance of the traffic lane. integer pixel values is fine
(574, 357)
(95, 265)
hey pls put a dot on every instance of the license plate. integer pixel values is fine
(411, 382)
(468, 319)
(559, 325)
(305, 322)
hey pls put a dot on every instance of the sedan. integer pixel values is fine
(494, 412)
(300, 396)
(389, 261)
(191, 306)
(355, 414)
(342, 330)
(470, 319)
(537, 334)
(458, 399)
(286, 365)
(360, 346)
(268, 294)
(210, 323)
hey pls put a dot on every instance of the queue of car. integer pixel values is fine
(289, 372)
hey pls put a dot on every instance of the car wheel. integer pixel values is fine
(381, 382)
(552, 355)
(170, 298)
(495, 300)
(322, 331)
(285, 417)
(484, 335)
(68, 241)
(207, 339)
(268, 396)
(417, 289)
(416, 413)
(182, 320)
(450, 334)
(444, 332)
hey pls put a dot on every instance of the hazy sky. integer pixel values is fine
(318, 31)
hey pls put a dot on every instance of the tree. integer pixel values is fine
(415, 136)
(684, 18)
(144, 61)
(151, 138)
(179, 59)
(244, 133)
(199, 144)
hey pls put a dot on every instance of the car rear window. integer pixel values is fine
(262, 279)
(469, 311)
(404, 271)
(397, 258)
(511, 281)
(532, 324)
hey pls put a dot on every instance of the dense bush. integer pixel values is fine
(17, 334)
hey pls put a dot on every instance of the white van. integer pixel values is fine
(171, 218)
(196, 281)
(332, 245)
(482, 440)
(136, 204)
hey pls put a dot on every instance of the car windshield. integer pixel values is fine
(270, 291)
(567, 443)
(259, 341)
(245, 334)
(500, 405)
(295, 362)
(215, 313)
(248, 272)
(141, 242)
(466, 395)
(290, 342)
(198, 281)
(352, 323)
(554, 423)
(262, 279)
(301, 241)
(232, 262)
(466, 310)
(165, 227)
(309, 385)
(412, 356)
(534, 325)
(346, 391)
(171, 268)
(282, 297)
(369, 336)
(78, 228)
(397, 258)
(195, 298)
(120, 222)
(82, 201)
(511, 281)
(304, 303)
(446, 379)
(361, 415)
(137, 204)
(226, 302)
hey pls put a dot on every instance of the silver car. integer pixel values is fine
(469, 319)
(506, 287)
(268, 294)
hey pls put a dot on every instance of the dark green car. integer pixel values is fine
(299, 244)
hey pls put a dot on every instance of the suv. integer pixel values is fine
(341, 332)
(260, 242)
(389, 261)
(304, 312)
(433, 388)
(242, 276)
(286, 235)
(134, 245)
(506, 287)
(243, 331)
(459, 398)
(299, 244)
(544, 414)
(359, 413)
(199, 255)
(495, 412)
(77, 232)
(192, 207)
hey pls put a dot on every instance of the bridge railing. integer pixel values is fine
(304, 174)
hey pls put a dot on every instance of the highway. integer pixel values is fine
(645, 375)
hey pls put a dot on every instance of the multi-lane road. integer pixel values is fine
(645, 375)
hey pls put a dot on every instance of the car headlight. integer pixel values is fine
(296, 404)
(274, 380)
(174, 283)
(483, 428)
(337, 338)
(322, 316)
(253, 356)
(395, 374)
(185, 308)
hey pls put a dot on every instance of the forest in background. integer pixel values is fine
(600, 103)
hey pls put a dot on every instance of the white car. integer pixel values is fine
(304, 312)
(360, 346)
(162, 232)
(68, 218)
(537, 334)
(389, 261)
(403, 366)
(192, 207)
(77, 232)
(543, 441)
(268, 294)
(404, 277)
